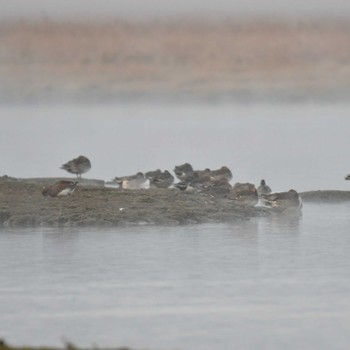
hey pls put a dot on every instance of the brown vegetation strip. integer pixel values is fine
(193, 57)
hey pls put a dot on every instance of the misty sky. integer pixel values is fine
(160, 8)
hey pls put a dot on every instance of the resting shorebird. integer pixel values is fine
(283, 200)
(223, 173)
(263, 188)
(60, 188)
(347, 177)
(163, 180)
(187, 186)
(184, 172)
(151, 175)
(133, 182)
(77, 166)
(217, 188)
(202, 175)
(244, 194)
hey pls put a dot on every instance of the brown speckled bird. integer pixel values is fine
(223, 173)
(60, 188)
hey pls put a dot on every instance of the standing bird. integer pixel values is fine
(60, 188)
(263, 188)
(77, 166)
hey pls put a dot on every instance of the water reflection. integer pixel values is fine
(281, 223)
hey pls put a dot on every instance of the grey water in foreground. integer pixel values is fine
(268, 283)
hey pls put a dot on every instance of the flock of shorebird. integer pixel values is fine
(213, 182)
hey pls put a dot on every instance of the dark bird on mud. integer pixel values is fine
(186, 186)
(184, 172)
(347, 177)
(283, 200)
(151, 175)
(263, 188)
(77, 166)
(215, 188)
(162, 180)
(60, 188)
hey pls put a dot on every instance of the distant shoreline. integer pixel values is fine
(184, 61)
(42, 97)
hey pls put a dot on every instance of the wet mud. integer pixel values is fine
(94, 204)
(22, 204)
(325, 196)
(67, 346)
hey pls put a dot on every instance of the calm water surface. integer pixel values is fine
(269, 283)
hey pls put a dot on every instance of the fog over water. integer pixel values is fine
(158, 8)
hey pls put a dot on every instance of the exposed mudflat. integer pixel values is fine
(22, 204)
(93, 204)
(325, 196)
(67, 346)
